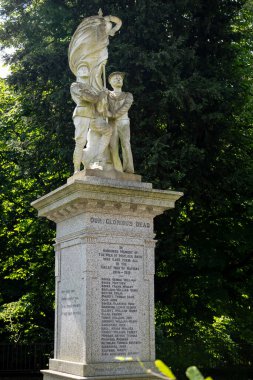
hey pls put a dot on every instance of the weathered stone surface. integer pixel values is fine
(110, 196)
(88, 55)
(53, 375)
(98, 369)
(109, 174)
(105, 298)
(104, 275)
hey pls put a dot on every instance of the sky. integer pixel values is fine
(4, 69)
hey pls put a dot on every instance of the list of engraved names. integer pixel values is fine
(120, 268)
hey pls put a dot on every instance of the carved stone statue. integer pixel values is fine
(119, 104)
(101, 116)
(89, 44)
(85, 98)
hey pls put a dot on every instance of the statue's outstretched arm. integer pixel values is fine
(83, 94)
(115, 20)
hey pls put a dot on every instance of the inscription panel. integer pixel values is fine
(70, 307)
(138, 224)
(120, 280)
(70, 303)
(120, 222)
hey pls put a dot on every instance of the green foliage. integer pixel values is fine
(26, 259)
(189, 65)
(194, 374)
(164, 372)
(164, 369)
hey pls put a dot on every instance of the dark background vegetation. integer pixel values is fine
(189, 65)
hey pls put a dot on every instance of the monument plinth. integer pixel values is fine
(104, 236)
(104, 275)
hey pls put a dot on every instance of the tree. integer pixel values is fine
(188, 65)
(26, 262)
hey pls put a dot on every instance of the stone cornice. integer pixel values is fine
(81, 196)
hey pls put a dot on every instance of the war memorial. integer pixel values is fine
(104, 248)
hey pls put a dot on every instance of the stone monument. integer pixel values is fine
(104, 251)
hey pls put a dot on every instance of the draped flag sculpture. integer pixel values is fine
(101, 116)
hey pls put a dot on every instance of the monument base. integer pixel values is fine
(104, 274)
(110, 174)
(99, 369)
(61, 369)
(54, 375)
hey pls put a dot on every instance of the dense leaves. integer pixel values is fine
(189, 68)
(26, 259)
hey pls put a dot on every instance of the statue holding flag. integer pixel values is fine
(94, 115)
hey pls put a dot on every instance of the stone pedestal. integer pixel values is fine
(104, 274)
